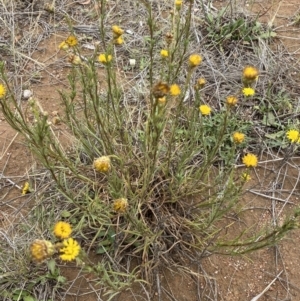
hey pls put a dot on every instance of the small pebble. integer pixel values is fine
(27, 94)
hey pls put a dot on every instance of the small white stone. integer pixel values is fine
(132, 62)
(27, 94)
(89, 46)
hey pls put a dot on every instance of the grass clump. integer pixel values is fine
(149, 179)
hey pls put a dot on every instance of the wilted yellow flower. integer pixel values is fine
(293, 136)
(205, 110)
(104, 58)
(26, 188)
(71, 41)
(164, 53)
(62, 230)
(74, 59)
(169, 38)
(63, 45)
(238, 137)
(120, 205)
(2, 91)
(178, 4)
(41, 250)
(246, 177)
(231, 100)
(250, 73)
(248, 91)
(250, 160)
(118, 31)
(161, 89)
(102, 164)
(200, 83)
(119, 40)
(162, 101)
(175, 90)
(195, 60)
(70, 249)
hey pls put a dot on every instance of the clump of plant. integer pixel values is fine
(223, 28)
(152, 180)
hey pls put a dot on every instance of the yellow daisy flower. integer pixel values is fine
(118, 31)
(70, 249)
(178, 4)
(102, 164)
(26, 188)
(2, 91)
(231, 100)
(71, 41)
(205, 110)
(250, 160)
(195, 60)
(200, 83)
(120, 205)
(293, 136)
(250, 73)
(119, 40)
(175, 90)
(238, 137)
(63, 45)
(62, 230)
(164, 53)
(248, 91)
(41, 250)
(104, 58)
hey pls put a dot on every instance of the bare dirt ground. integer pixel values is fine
(230, 278)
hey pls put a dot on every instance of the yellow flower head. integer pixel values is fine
(63, 45)
(250, 73)
(161, 89)
(205, 110)
(164, 53)
(70, 249)
(250, 160)
(293, 136)
(178, 4)
(118, 40)
(120, 205)
(71, 41)
(102, 164)
(248, 91)
(117, 31)
(105, 58)
(41, 250)
(238, 137)
(231, 100)
(200, 83)
(62, 230)
(175, 90)
(2, 91)
(26, 188)
(195, 60)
